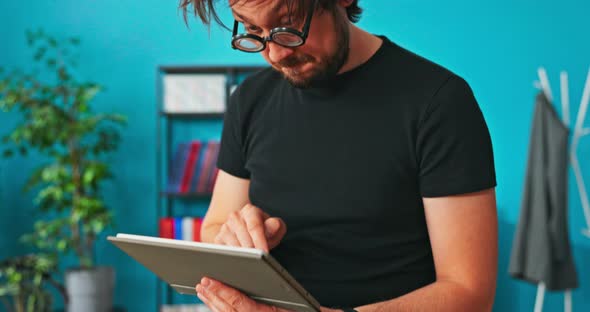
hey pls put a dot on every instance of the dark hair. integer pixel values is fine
(205, 9)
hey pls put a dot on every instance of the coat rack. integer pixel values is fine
(578, 132)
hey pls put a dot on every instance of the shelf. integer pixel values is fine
(175, 126)
(187, 195)
(201, 116)
(209, 69)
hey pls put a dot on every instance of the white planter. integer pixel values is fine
(90, 290)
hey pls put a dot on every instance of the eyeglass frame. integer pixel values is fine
(301, 34)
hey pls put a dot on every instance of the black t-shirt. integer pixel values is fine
(346, 165)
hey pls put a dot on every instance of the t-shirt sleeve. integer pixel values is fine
(453, 147)
(231, 157)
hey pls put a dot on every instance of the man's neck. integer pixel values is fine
(363, 46)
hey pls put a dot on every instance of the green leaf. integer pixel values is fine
(62, 245)
(89, 175)
(40, 53)
(15, 277)
(9, 290)
(70, 187)
(10, 99)
(88, 92)
(117, 118)
(76, 216)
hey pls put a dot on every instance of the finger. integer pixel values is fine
(271, 226)
(211, 299)
(226, 298)
(207, 302)
(255, 224)
(238, 226)
(221, 297)
(252, 207)
(226, 237)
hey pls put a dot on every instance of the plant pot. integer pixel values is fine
(90, 290)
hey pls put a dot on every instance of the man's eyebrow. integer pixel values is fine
(275, 10)
(243, 18)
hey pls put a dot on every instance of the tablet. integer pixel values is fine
(182, 264)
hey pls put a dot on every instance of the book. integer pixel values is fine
(199, 167)
(197, 223)
(189, 168)
(178, 228)
(187, 228)
(176, 167)
(206, 168)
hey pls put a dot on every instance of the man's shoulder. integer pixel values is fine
(259, 82)
(409, 67)
(252, 90)
(417, 76)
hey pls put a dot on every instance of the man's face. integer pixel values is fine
(322, 55)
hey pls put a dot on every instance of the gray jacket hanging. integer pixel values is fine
(541, 248)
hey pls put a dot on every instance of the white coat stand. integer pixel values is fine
(579, 131)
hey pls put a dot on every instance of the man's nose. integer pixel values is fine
(277, 52)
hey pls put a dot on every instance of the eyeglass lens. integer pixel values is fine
(287, 39)
(249, 44)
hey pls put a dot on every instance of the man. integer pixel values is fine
(365, 170)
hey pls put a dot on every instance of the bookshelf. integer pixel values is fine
(177, 123)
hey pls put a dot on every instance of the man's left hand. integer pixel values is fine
(222, 298)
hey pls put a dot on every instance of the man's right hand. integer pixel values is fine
(251, 227)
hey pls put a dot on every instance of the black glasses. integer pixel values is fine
(285, 36)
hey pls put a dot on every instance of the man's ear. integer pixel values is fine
(345, 3)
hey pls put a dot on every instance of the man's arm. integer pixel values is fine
(463, 233)
(229, 194)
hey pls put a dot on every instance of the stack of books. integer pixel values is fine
(193, 168)
(183, 228)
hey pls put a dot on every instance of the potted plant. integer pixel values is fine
(24, 280)
(59, 124)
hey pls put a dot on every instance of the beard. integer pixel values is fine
(325, 67)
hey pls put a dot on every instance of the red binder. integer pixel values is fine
(189, 169)
(166, 228)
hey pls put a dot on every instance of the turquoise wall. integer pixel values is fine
(496, 45)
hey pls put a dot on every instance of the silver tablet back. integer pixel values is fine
(183, 264)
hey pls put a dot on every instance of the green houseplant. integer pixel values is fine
(59, 124)
(24, 281)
